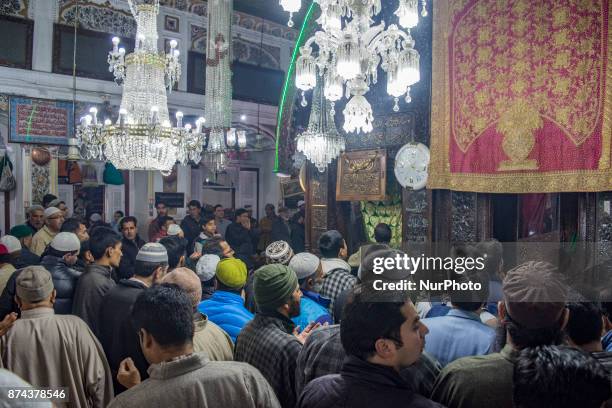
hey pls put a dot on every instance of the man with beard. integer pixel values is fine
(381, 334)
(154, 227)
(270, 342)
(36, 217)
(131, 244)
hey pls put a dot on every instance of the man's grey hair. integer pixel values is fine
(33, 208)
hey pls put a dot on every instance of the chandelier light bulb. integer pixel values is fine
(349, 61)
(116, 40)
(242, 141)
(408, 13)
(88, 120)
(188, 127)
(122, 51)
(243, 117)
(231, 137)
(179, 119)
(173, 44)
(107, 122)
(306, 70)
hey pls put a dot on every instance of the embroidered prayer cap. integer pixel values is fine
(11, 243)
(51, 211)
(278, 252)
(66, 242)
(153, 252)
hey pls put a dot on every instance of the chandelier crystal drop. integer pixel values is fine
(142, 138)
(350, 47)
(321, 143)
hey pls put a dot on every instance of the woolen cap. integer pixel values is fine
(33, 284)
(55, 203)
(3, 249)
(304, 264)
(174, 229)
(273, 285)
(11, 243)
(207, 266)
(232, 272)
(279, 252)
(66, 242)
(153, 252)
(51, 211)
(535, 295)
(21, 231)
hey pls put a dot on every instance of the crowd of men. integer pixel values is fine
(219, 313)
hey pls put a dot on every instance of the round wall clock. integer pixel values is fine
(411, 165)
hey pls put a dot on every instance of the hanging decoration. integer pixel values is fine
(349, 50)
(142, 137)
(321, 143)
(218, 93)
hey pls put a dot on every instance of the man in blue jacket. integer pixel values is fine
(226, 306)
(313, 307)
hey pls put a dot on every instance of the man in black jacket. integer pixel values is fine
(241, 237)
(131, 244)
(377, 350)
(192, 223)
(58, 258)
(117, 335)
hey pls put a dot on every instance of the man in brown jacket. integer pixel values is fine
(50, 350)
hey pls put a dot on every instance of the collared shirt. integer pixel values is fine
(477, 382)
(267, 343)
(458, 334)
(335, 282)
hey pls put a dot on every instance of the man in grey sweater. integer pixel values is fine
(178, 377)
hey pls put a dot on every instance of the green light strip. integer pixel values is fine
(281, 105)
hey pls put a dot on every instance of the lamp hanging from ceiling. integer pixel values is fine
(321, 143)
(218, 91)
(350, 48)
(142, 137)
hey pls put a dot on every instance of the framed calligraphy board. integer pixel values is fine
(40, 121)
(362, 175)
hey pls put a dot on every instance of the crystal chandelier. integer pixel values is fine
(348, 57)
(218, 91)
(142, 138)
(321, 143)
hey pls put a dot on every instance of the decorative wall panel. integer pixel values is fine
(98, 17)
(17, 8)
(463, 216)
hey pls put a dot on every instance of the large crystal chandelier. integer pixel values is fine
(142, 138)
(218, 91)
(321, 143)
(349, 50)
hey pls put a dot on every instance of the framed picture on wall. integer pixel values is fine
(291, 188)
(40, 121)
(171, 23)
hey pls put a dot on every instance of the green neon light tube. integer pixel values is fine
(288, 77)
